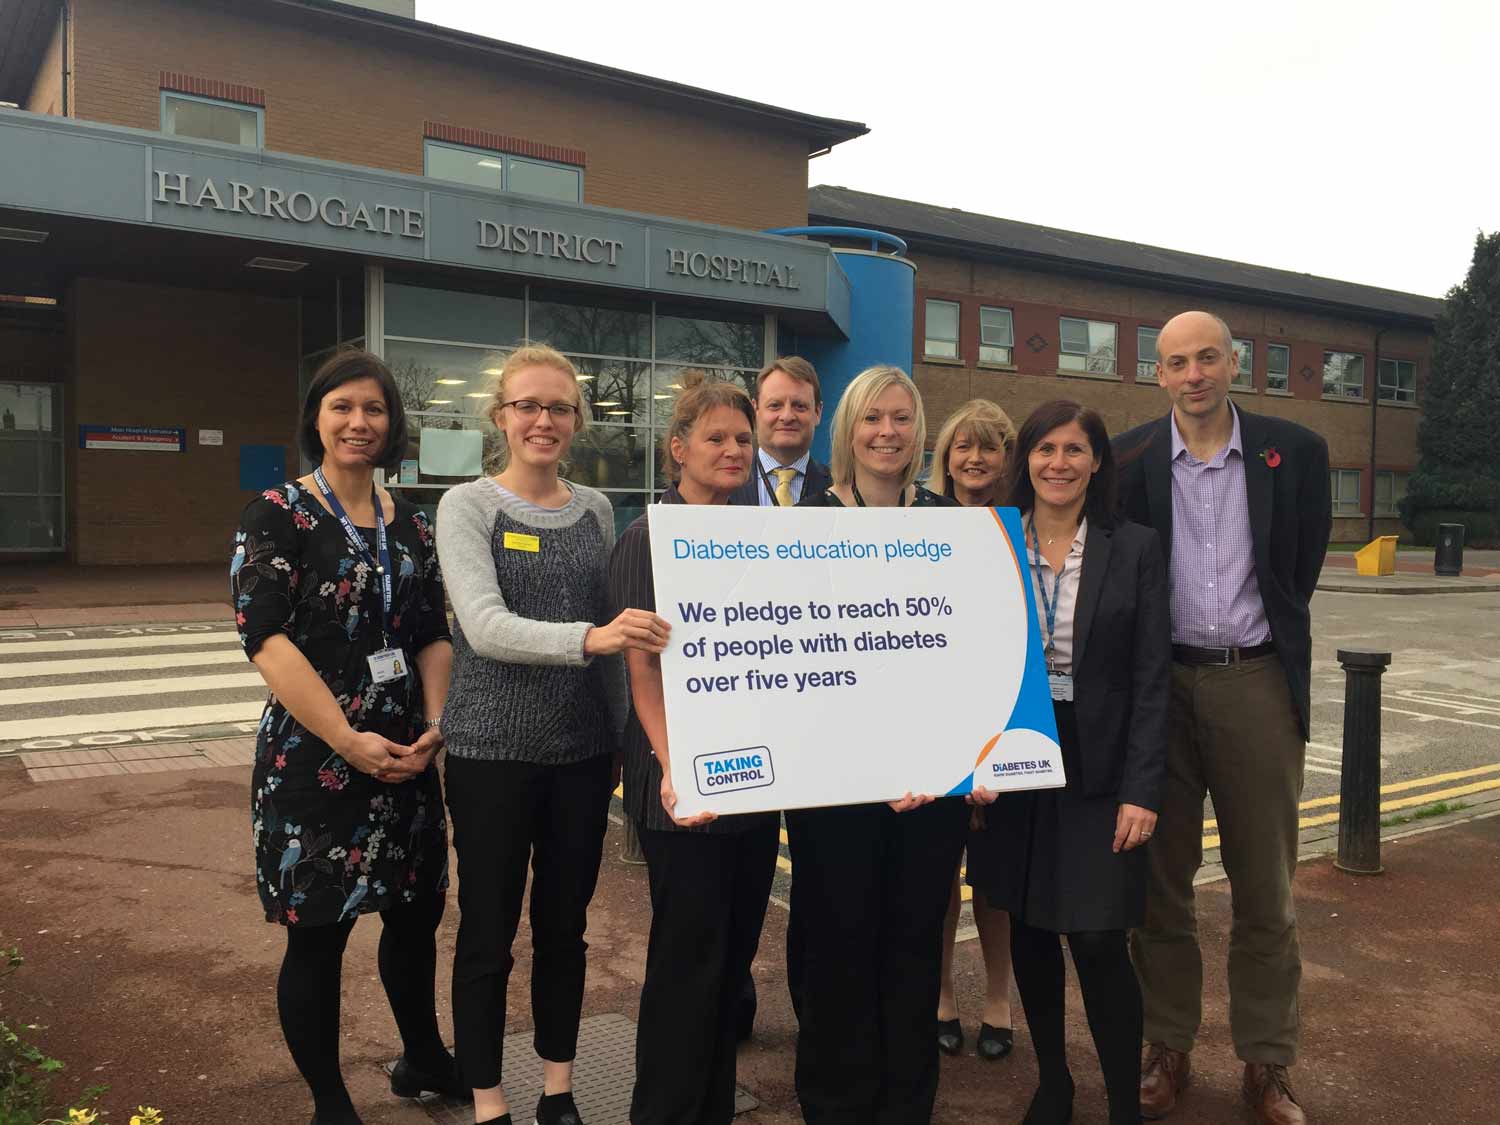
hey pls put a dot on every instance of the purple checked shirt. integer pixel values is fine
(1215, 600)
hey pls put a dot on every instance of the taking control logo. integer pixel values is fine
(730, 771)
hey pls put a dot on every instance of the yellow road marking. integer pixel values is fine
(1211, 842)
(1395, 787)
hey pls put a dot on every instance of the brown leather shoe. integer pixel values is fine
(1269, 1092)
(1165, 1074)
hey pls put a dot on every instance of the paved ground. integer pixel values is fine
(124, 876)
(149, 968)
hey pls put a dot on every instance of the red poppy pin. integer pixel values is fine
(1271, 456)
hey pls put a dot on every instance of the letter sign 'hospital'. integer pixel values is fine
(730, 269)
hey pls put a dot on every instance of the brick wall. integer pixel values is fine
(146, 355)
(1038, 299)
(340, 92)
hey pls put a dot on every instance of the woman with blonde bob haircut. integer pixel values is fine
(531, 722)
(968, 458)
(872, 880)
(968, 464)
(899, 464)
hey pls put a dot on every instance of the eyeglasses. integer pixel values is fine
(530, 408)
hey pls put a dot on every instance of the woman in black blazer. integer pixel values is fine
(1070, 861)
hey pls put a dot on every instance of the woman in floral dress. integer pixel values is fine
(340, 605)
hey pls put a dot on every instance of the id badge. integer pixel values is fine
(1061, 686)
(388, 664)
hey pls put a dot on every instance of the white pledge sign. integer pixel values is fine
(835, 656)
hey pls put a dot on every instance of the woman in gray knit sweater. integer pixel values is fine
(531, 723)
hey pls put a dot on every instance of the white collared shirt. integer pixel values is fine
(767, 475)
(1067, 596)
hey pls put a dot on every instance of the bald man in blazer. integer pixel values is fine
(1242, 504)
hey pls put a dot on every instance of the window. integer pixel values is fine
(484, 168)
(1398, 380)
(1390, 490)
(996, 335)
(1245, 376)
(31, 467)
(186, 115)
(1345, 486)
(1086, 345)
(941, 330)
(1278, 367)
(1145, 352)
(1343, 375)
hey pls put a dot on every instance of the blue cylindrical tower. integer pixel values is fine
(882, 308)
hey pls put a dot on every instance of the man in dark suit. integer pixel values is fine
(788, 408)
(1241, 502)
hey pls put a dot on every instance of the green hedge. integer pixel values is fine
(1481, 529)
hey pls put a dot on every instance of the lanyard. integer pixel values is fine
(1049, 605)
(382, 562)
(860, 500)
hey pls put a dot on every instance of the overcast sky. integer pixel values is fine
(1353, 139)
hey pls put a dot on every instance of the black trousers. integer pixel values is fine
(1111, 1000)
(708, 903)
(873, 889)
(505, 814)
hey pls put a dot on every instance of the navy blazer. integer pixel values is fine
(816, 479)
(1291, 517)
(1122, 664)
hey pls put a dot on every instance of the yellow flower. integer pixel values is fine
(145, 1115)
(82, 1116)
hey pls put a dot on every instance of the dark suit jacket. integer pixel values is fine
(1291, 516)
(1122, 664)
(816, 480)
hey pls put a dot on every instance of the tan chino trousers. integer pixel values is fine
(1234, 736)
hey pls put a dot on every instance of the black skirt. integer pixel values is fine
(1047, 856)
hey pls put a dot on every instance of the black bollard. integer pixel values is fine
(1359, 783)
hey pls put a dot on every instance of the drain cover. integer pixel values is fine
(601, 1083)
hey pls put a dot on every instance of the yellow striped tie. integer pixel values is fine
(784, 478)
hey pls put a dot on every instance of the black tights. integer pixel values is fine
(1111, 998)
(307, 998)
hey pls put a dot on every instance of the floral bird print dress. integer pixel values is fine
(332, 842)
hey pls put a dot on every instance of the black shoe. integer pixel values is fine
(557, 1109)
(409, 1082)
(950, 1035)
(350, 1118)
(1050, 1106)
(994, 1042)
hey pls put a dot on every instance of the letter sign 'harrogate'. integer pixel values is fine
(299, 207)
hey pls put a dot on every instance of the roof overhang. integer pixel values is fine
(1169, 270)
(26, 27)
(105, 174)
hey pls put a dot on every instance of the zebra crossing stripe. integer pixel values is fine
(129, 688)
(108, 644)
(62, 726)
(107, 664)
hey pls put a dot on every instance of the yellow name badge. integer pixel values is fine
(515, 541)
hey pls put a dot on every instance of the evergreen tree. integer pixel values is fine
(1458, 442)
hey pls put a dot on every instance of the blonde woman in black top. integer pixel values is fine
(871, 882)
(710, 877)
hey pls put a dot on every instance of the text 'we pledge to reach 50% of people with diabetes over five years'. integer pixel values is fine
(805, 642)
